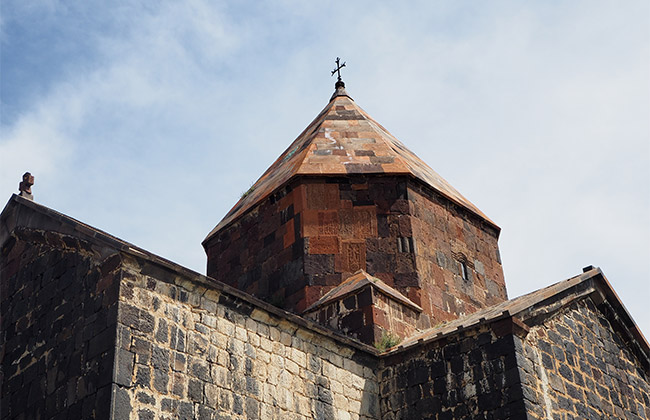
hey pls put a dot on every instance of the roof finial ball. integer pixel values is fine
(339, 83)
(25, 186)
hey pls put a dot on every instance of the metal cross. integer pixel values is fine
(338, 68)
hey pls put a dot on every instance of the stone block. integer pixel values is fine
(324, 245)
(124, 367)
(120, 403)
(195, 390)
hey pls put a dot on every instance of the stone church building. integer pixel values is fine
(350, 282)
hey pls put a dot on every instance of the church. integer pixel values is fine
(350, 281)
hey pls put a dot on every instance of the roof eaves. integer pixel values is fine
(535, 306)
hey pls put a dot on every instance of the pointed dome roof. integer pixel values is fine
(343, 140)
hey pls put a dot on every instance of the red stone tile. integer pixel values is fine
(353, 256)
(322, 196)
(324, 245)
(290, 235)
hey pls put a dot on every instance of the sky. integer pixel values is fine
(149, 119)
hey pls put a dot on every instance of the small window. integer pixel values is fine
(286, 214)
(405, 244)
(463, 270)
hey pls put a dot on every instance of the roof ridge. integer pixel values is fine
(362, 278)
(394, 141)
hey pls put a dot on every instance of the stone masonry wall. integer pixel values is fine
(262, 253)
(445, 236)
(57, 331)
(367, 315)
(188, 349)
(351, 315)
(307, 238)
(394, 317)
(577, 367)
(469, 375)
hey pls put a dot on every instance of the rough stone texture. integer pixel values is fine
(469, 375)
(367, 315)
(446, 236)
(394, 317)
(93, 327)
(576, 367)
(346, 195)
(307, 238)
(58, 318)
(197, 352)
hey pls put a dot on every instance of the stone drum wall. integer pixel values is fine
(448, 236)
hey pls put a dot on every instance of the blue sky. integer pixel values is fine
(149, 119)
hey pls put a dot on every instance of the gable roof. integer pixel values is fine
(357, 281)
(543, 303)
(344, 140)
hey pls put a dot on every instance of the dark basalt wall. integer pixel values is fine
(577, 367)
(92, 327)
(58, 323)
(471, 375)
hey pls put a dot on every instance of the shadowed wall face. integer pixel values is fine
(576, 365)
(59, 314)
(457, 257)
(471, 375)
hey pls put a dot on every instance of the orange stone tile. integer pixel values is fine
(333, 169)
(309, 223)
(353, 256)
(310, 168)
(324, 245)
(323, 196)
(290, 235)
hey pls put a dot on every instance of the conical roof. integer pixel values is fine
(343, 140)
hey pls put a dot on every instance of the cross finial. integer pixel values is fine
(25, 186)
(338, 68)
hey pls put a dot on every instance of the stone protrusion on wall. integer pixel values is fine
(366, 308)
